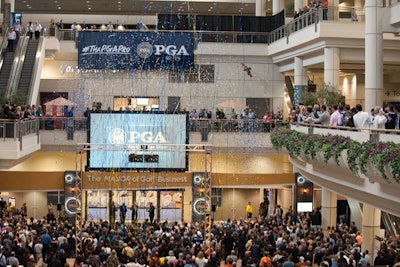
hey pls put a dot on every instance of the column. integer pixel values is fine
(300, 79)
(331, 66)
(298, 4)
(285, 198)
(333, 9)
(373, 54)
(370, 228)
(328, 208)
(260, 8)
(277, 6)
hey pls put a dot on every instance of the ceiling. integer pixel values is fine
(140, 7)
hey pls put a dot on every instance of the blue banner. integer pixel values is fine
(135, 50)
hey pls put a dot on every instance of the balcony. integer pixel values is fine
(359, 164)
(18, 139)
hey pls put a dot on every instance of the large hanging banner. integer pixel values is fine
(112, 50)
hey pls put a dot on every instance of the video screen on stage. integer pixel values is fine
(137, 141)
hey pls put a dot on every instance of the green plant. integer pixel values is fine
(384, 157)
(328, 95)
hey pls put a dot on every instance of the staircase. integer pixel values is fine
(5, 72)
(27, 69)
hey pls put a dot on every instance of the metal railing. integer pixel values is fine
(16, 129)
(211, 125)
(305, 20)
(313, 17)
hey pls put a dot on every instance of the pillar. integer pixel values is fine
(260, 8)
(373, 54)
(370, 229)
(277, 6)
(333, 9)
(328, 208)
(285, 198)
(298, 4)
(331, 66)
(300, 79)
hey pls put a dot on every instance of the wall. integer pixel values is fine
(35, 203)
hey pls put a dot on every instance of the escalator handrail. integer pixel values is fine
(4, 45)
(19, 59)
(35, 69)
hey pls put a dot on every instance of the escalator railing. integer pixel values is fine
(391, 223)
(19, 60)
(3, 50)
(33, 87)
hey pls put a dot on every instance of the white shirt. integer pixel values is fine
(361, 119)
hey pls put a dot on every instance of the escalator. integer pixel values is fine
(289, 87)
(6, 62)
(391, 223)
(25, 78)
(20, 71)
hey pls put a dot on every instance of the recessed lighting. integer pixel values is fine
(89, 8)
(59, 7)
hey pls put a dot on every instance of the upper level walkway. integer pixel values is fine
(363, 172)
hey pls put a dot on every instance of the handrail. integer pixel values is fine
(35, 69)
(3, 50)
(16, 129)
(18, 63)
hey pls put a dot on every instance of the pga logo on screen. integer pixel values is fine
(118, 136)
(145, 50)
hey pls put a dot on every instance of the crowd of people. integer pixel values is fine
(15, 112)
(245, 121)
(278, 239)
(343, 115)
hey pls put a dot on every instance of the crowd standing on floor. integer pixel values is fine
(277, 240)
(343, 115)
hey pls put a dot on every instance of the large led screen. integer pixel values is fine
(144, 141)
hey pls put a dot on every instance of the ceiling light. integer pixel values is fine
(59, 7)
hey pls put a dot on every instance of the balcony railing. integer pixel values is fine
(17, 129)
(312, 17)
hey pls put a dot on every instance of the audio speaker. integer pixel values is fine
(213, 208)
(59, 206)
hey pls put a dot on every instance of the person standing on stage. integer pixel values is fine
(249, 210)
(122, 212)
(151, 211)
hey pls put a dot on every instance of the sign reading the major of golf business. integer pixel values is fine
(112, 50)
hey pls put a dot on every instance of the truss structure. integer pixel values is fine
(192, 148)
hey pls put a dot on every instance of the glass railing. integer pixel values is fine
(16, 129)
(210, 125)
(313, 17)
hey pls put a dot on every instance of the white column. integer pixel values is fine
(370, 229)
(373, 54)
(328, 208)
(277, 6)
(260, 8)
(298, 4)
(331, 66)
(333, 9)
(12, 5)
(300, 78)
